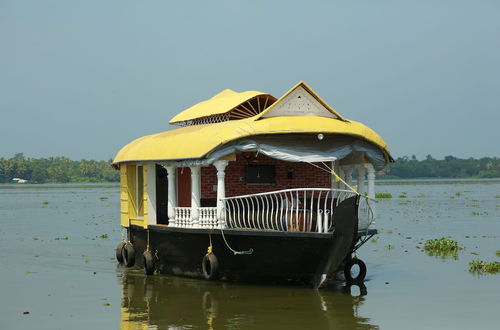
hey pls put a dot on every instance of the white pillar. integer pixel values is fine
(172, 194)
(220, 165)
(333, 178)
(195, 196)
(371, 180)
(361, 171)
(348, 175)
(342, 176)
(371, 188)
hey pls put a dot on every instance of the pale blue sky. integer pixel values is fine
(83, 78)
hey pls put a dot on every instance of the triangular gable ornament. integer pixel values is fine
(299, 101)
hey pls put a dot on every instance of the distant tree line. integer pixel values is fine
(449, 167)
(62, 169)
(56, 170)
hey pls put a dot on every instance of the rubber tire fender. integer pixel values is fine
(118, 252)
(128, 254)
(149, 262)
(210, 266)
(347, 270)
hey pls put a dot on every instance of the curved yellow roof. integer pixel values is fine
(219, 104)
(193, 142)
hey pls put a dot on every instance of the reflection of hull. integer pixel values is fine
(278, 257)
(169, 302)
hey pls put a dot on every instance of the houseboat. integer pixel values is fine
(251, 188)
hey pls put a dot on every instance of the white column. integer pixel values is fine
(220, 165)
(371, 188)
(195, 196)
(334, 181)
(371, 180)
(348, 175)
(342, 175)
(361, 171)
(172, 194)
(151, 193)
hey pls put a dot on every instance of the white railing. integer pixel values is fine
(182, 216)
(207, 217)
(303, 209)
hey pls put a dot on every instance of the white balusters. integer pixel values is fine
(305, 210)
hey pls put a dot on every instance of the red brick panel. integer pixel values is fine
(304, 176)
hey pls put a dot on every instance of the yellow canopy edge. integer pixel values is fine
(219, 104)
(193, 142)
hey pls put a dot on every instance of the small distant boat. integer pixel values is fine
(18, 180)
(251, 188)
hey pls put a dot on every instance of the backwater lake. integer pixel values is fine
(58, 269)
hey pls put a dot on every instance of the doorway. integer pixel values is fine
(161, 195)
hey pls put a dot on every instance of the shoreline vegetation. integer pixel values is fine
(65, 170)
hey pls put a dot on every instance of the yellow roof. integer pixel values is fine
(197, 141)
(193, 142)
(219, 104)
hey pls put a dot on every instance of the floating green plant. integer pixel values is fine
(479, 213)
(388, 231)
(421, 195)
(383, 195)
(103, 236)
(375, 240)
(402, 196)
(389, 247)
(103, 198)
(497, 253)
(479, 266)
(45, 203)
(443, 247)
(458, 194)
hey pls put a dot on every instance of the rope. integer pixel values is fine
(337, 177)
(250, 251)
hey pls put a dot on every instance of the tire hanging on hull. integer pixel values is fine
(128, 254)
(148, 261)
(350, 263)
(210, 266)
(119, 252)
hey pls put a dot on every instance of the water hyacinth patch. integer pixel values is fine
(383, 195)
(443, 247)
(479, 266)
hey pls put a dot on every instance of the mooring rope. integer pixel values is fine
(250, 251)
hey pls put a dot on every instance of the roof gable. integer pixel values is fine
(300, 101)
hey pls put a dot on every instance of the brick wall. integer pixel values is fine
(304, 175)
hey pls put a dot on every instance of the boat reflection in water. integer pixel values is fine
(166, 302)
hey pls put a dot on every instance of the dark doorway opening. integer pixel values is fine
(161, 195)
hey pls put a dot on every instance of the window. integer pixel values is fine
(260, 174)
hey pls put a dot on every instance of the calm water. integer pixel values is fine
(58, 269)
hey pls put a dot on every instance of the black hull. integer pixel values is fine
(277, 257)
